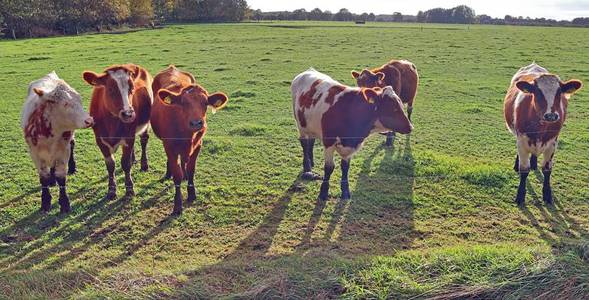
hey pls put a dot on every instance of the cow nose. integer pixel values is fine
(551, 117)
(196, 124)
(89, 122)
(127, 113)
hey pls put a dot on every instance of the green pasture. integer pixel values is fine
(432, 217)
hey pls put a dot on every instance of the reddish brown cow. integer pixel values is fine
(535, 110)
(121, 106)
(342, 117)
(401, 75)
(179, 120)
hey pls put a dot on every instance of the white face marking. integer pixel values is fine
(549, 86)
(122, 79)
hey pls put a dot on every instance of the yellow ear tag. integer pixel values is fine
(168, 100)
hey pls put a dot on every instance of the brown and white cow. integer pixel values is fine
(52, 111)
(401, 75)
(121, 106)
(342, 117)
(179, 120)
(535, 110)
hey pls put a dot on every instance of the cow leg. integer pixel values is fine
(190, 170)
(178, 176)
(72, 160)
(524, 171)
(328, 170)
(547, 164)
(144, 139)
(307, 145)
(52, 176)
(64, 200)
(45, 180)
(345, 165)
(311, 147)
(516, 164)
(126, 163)
(110, 168)
(168, 174)
(409, 111)
(534, 162)
(390, 139)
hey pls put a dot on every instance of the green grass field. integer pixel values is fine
(432, 217)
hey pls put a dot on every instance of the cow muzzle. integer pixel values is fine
(89, 122)
(551, 117)
(127, 116)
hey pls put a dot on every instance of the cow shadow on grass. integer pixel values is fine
(377, 221)
(554, 225)
(49, 241)
(379, 218)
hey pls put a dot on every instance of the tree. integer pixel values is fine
(141, 12)
(299, 14)
(343, 15)
(327, 16)
(315, 14)
(397, 17)
(463, 15)
(371, 17)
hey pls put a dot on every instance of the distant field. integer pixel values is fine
(434, 216)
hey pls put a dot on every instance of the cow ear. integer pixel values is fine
(217, 101)
(526, 87)
(570, 87)
(134, 70)
(93, 79)
(168, 97)
(39, 92)
(355, 74)
(381, 76)
(370, 95)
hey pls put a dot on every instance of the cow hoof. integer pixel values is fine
(191, 198)
(72, 171)
(547, 195)
(177, 212)
(346, 196)
(111, 195)
(130, 193)
(65, 209)
(144, 167)
(521, 201)
(46, 209)
(310, 176)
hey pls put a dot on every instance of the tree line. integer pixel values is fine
(461, 14)
(34, 18)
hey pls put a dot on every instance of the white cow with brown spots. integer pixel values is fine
(52, 111)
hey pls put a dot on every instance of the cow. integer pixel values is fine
(535, 110)
(52, 111)
(342, 117)
(179, 120)
(121, 107)
(401, 75)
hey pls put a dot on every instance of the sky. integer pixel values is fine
(552, 9)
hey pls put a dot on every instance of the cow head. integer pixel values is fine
(118, 84)
(389, 109)
(193, 101)
(65, 105)
(550, 95)
(369, 79)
